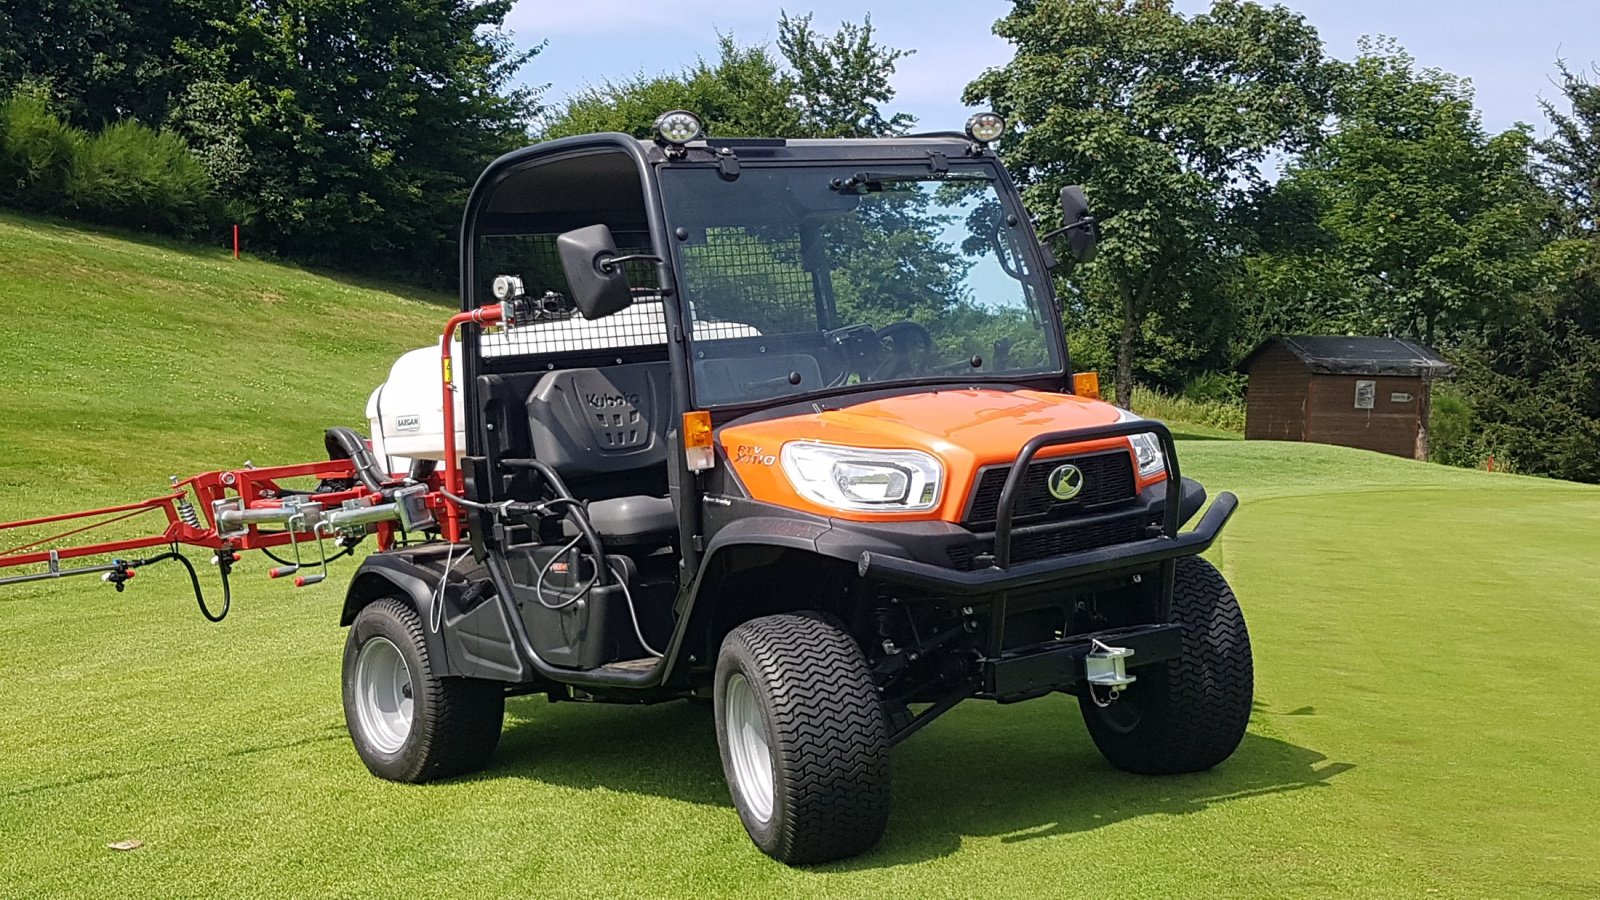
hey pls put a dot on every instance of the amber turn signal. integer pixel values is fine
(697, 448)
(1086, 384)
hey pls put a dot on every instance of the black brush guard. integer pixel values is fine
(1057, 665)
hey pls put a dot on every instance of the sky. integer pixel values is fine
(1508, 50)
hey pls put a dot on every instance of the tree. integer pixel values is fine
(745, 92)
(841, 82)
(1570, 163)
(1531, 379)
(1167, 120)
(823, 86)
(1430, 223)
(102, 60)
(352, 131)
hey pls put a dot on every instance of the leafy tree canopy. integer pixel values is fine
(1571, 155)
(338, 131)
(1168, 120)
(1430, 221)
(818, 86)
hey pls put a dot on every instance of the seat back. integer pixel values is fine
(604, 427)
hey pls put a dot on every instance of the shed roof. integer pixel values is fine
(1334, 355)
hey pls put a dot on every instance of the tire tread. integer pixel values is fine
(831, 736)
(1202, 700)
(457, 721)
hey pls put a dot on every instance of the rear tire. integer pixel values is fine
(803, 739)
(1191, 713)
(407, 723)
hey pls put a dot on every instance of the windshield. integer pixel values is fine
(806, 279)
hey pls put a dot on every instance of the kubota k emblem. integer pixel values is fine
(1065, 482)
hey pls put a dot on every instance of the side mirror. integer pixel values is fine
(594, 271)
(1082, 230)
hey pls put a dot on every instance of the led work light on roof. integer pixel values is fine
(986, 127)
(678, 127)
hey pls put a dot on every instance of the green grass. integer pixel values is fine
(1424, 639)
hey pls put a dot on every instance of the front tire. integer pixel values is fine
(408, 724)
(803, 738)
(1189, 714)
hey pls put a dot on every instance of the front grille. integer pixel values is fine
(1067, 538)
(1107, 481)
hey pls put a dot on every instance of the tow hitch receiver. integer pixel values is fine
(1098, 660)
(1107, 666)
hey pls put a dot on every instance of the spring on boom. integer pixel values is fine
(188, 515)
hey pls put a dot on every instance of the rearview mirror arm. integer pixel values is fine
(1085, 222)
(609, 264)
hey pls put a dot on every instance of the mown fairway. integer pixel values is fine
(1426, 639)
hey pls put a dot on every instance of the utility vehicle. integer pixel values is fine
(791, 426)
(785, 425)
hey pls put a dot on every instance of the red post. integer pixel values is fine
(452, 480)
(236, 242)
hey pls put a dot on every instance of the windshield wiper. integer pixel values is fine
(863, 182)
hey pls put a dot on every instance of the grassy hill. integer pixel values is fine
(1425, 642)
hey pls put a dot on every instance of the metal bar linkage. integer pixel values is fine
(235, 503)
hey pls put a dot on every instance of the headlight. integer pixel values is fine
(986, 127)
(678, 127)
(857, 478)
(1146, 447)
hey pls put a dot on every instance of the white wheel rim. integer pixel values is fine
(747, 746)
(383, 694)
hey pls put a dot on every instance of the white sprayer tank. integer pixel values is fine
(407, 411)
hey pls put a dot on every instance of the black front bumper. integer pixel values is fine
(1134, 555)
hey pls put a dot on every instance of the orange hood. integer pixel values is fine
(964, 429)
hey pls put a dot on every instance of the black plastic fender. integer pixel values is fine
(471, 643)
(387, 575)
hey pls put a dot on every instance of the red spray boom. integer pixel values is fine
(245, 509)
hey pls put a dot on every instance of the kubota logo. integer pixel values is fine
(609, 401)
(1065, 482)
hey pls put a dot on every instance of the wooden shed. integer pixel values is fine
(1366, 392)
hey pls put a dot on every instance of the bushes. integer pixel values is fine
(127, 175)
(1225, 415)
(132, 176)
(37, 151)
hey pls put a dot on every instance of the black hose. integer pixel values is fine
(354, 447)
(575, 512)
(194, 582)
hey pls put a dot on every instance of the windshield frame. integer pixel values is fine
(1036, 280)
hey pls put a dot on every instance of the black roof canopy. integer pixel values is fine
(1334, 355)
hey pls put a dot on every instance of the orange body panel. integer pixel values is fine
(964, 429)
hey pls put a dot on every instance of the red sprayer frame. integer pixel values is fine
(483, 315)
(195, 523)
(257, 488)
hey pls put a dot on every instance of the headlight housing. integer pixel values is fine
(863, 479)
(1146, 447)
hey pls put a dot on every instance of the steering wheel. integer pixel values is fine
(909, 349)
(857, 349)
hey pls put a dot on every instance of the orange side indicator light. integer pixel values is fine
(1086, 384)
(697, 447)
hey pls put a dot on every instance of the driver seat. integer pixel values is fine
(634, 522)
(605, 431)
